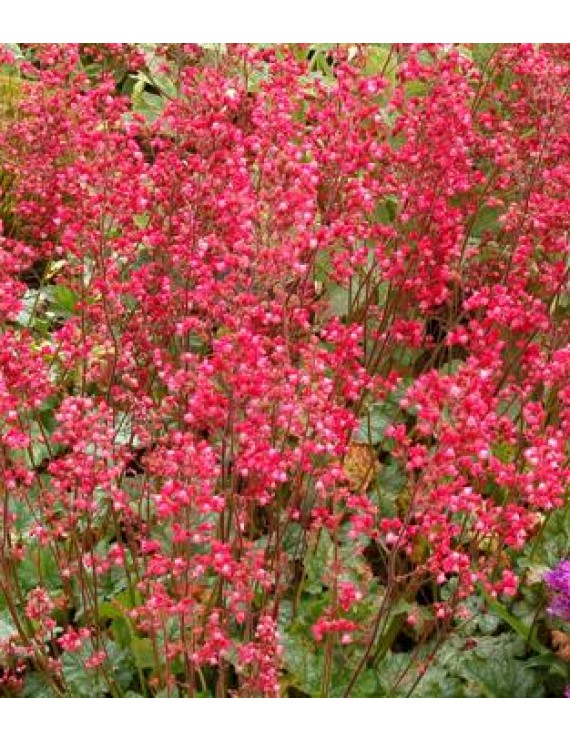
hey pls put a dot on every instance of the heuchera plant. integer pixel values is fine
(230, 280)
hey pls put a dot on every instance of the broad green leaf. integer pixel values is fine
(7, 627)
(141, 649)
(517, 625)
(82, 682)
(63, 299)
(374, 423)
(36, 685)
(486, 221)
(503, 676)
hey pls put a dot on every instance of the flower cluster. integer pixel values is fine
(558, 580)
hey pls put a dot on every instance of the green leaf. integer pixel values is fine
(376, 61)
(438, 682)
(82, 682)
(551, 662)
(143, 656)
(387, 210)
(7, 627)
(317, 563)
(65, 298)
(29, 302)
(368, 684)
(486, 221)
(124, 430)
(390, 483)
(163, 82)
(304, 663)
(482, 53)
(120, 665)
(339, 300)
(503, 676)
(517, 625)
(141, 220)
(36, 685)
(373, 425)
(149, 105)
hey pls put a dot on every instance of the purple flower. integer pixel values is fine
(558, 580)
